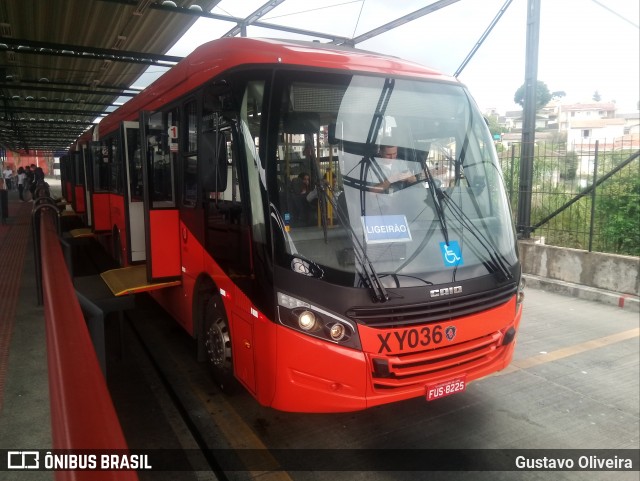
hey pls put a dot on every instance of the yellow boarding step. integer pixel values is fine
(131, 280)
(83, 232)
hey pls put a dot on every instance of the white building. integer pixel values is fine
(583, 134)
(568, 114)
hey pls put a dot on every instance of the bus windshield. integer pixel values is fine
(388, 181)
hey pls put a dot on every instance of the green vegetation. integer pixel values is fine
(558, 179)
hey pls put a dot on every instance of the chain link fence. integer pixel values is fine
(584, 195)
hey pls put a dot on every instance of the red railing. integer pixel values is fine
(82, 413)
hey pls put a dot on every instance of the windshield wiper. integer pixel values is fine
(498, 263)
(436, 196)
(371, 277)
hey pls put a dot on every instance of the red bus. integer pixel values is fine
(329, 224)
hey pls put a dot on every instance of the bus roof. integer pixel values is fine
(212, 58)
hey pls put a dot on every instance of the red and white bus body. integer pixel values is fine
(373, 294)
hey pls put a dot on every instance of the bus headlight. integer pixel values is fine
(317, 322)
(337, 331)
(307, 320)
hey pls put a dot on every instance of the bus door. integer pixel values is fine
(66, 175)
(101, 210)
(134, 192)
(159, 136)
(78, 203)
(87, 169)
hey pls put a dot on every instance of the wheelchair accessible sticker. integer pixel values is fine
(385, 228)
(451, 254)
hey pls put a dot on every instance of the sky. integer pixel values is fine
(585, 45)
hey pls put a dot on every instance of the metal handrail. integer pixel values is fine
(82, 412)
(40, 204)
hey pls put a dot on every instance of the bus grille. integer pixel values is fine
(433, 311)
(409, 369)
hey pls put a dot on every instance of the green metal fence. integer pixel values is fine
(583, 195)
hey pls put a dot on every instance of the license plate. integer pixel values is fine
(446, 388)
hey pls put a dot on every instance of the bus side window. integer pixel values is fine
(214, 151)
(226, 224)
(219, 184)
(116, 163)
(190, 160)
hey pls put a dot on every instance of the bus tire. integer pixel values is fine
(217, 345)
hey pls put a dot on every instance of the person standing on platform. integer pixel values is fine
(41, 186)
(7, 174)
(22, 177)
(31, 175)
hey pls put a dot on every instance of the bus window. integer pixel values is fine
(115, 166)
(224, 214)
(455, 188)
(168, 174)
(250, 116)
(231, 140)
(215, 144)
(190, 160)
(306, 156)
(135, 165)
(162, 148)
(78, 168)
(101, 159)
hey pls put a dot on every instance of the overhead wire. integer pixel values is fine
(312, 10)
(358, 20)
(616, 13)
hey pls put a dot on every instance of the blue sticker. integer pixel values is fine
(385, 228)
(451, 254)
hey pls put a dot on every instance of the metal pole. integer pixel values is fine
(513, 168)
(529, 120)
(593, 197)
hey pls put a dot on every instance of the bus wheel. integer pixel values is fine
(217, 345)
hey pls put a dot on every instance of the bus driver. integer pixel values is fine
(394, 171)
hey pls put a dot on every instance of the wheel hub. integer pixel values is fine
(217, 339)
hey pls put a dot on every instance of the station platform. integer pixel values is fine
(24, 386)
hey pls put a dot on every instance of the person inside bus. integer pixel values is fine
(392, 169)
(301, 209)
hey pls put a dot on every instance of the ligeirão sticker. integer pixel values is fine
(385, 228)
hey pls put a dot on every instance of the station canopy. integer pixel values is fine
(64, 64)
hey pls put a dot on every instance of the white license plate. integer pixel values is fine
(446, 388)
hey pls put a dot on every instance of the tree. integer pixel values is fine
(543, 95)
(596, 96)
